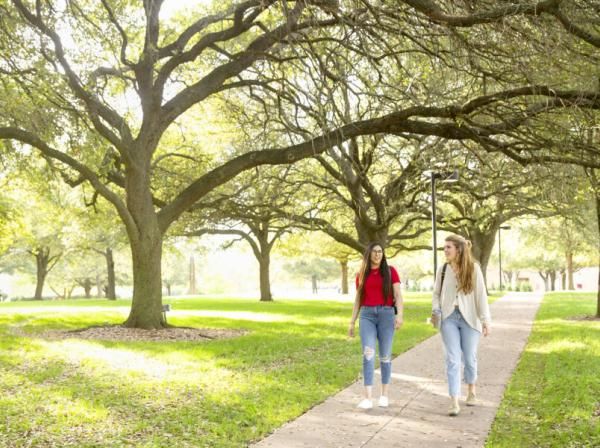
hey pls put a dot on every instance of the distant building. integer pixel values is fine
(585, 279)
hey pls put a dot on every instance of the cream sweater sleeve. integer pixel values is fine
(481, 298)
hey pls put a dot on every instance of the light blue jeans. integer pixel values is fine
(377, 324)
(459, 338)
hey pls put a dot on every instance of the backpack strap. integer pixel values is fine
(443, 275)
(393, 298)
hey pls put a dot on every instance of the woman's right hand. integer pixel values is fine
(351, 330)
(434, 319)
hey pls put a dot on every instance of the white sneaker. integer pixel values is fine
(365, 404)
(384, 402)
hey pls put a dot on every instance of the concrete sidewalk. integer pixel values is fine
(418, 395)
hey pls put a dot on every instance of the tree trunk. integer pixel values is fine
(192, 277)
(597, 190)
(344, 266)
(42, 257)
(545, 278)
(262, 252)
(145, 240)
(265, 282)
(146, 304)
(593, 176)
(168, 285)
(87, 288)
(552, 275)
(367, 234)
(98, 286)
(111, 292)
(571, 285)
(483, 244)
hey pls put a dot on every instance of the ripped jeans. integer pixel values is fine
(377, 324)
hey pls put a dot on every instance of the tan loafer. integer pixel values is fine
(454, 408)
(471, 399)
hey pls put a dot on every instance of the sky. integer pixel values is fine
(171, 7)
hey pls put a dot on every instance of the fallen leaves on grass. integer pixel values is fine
(584, 317)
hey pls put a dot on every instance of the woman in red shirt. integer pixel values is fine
(378, 298)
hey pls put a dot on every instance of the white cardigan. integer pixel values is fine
(473, 306)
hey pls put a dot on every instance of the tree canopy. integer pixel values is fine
(100, 89)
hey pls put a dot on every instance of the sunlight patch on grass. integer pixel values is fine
(65, 408)
(235, 315)
(80, 352)
(552, 396)
(62, 309)
(217, 393)
(558, 346)
(177, 366)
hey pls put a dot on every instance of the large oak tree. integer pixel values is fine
(96, 86)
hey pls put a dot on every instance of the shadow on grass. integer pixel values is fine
(117, 408)
(222, 392)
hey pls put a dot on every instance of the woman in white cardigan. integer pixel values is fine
(461, 303)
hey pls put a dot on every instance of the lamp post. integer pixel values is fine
(443, 177)
(500, 253)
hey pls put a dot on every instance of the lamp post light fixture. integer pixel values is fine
(447, 178)
(500, 253)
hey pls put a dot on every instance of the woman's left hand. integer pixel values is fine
(486, 330)
(398, 322)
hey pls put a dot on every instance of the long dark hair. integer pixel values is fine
(365, 270)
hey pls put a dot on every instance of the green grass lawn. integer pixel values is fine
(220, 393)
(553, 398)
(495, 295)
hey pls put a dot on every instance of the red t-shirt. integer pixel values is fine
(373, 290)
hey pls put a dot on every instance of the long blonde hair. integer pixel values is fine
(466, 266)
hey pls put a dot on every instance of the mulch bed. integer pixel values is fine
(120, 333)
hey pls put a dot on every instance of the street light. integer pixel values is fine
(443, 177)
(500, 253)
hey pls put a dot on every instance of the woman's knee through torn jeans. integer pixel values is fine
(459, 339)
(377, 325)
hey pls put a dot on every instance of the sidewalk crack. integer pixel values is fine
(392, 417)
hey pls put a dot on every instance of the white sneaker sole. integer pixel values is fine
(365, 404)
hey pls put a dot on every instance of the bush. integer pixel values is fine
(527, 287)
(414, 287)
(524, 286)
